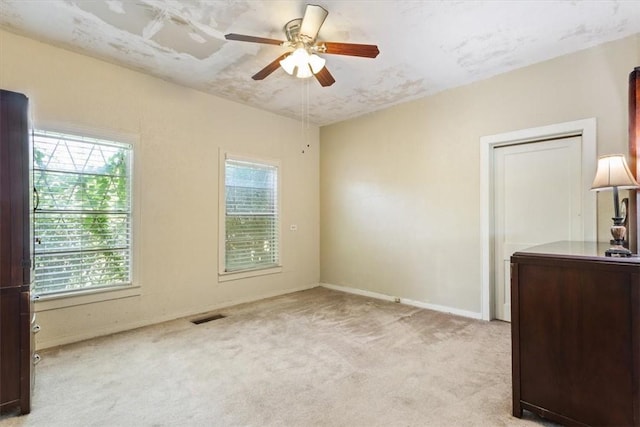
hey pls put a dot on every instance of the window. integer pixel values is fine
(82, 219)
(251, 218)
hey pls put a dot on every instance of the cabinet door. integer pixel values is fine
(575, 342)
(15, 191)
(9, 350)
(634, 152)
(27, 352)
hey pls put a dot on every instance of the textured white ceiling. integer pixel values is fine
(425, 46)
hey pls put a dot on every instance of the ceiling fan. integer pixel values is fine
(301, 59)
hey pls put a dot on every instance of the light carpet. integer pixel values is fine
(313, 358)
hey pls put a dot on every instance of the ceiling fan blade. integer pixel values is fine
(260, 75)
(312, 20)
(252, 39)
(324, 77)
(350, 49)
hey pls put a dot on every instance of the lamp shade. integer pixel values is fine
(613, 172)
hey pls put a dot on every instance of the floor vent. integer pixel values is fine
(208, 319)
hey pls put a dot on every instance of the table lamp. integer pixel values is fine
(613, 174)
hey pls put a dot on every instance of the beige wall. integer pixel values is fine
(391, 223)
(400, 193)
(179, 132)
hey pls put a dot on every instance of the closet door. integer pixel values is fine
(15, 255)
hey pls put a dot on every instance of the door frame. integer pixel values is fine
(585, 128)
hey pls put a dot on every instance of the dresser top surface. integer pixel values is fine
(576, 250)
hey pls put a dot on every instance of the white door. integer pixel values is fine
(537, 199)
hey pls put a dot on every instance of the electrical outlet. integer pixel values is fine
(293, 227)
(396, 299)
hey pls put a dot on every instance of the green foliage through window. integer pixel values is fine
(82, 219)
(251, 216)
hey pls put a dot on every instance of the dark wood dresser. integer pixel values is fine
(575, 325)
(17, 325)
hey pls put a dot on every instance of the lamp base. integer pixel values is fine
(618, 231)
(618, 251)
(625, 244)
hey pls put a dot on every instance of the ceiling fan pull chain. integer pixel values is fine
(303, 135)
(305, 121)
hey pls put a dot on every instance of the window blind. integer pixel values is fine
(82, 220)
(252, 227)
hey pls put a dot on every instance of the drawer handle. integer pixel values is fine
(36, 328)
(36, 359)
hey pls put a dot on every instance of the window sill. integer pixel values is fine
(225, 277)
(57, 301)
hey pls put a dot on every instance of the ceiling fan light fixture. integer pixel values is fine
(301, 64)
(288, 64)
(304, 72)
(299, 58)
(316, 62)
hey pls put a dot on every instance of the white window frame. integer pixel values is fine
(132, 288)
(235, 275)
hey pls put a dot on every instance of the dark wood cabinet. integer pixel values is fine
(16, 313)
(634, 152)
(575, 321)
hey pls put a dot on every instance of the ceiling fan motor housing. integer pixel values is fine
(292, 30)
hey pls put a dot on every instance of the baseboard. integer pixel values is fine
(414, 303)
(69, 339)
